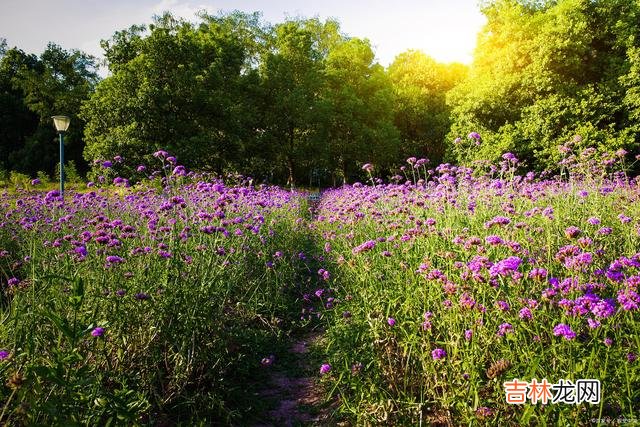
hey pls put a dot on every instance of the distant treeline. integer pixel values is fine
(301, 102)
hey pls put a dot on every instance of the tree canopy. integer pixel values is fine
(32, 89)
(302, 102)
(545, 72)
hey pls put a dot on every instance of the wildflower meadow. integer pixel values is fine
(146, 304)
(452, 296)
(454, 284)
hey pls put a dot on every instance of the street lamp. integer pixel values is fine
(62, 124)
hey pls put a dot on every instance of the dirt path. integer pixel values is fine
(294, 388)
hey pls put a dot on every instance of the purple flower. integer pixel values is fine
(4, 354)
(141, 168)
(160, 154)
(81, 251)
(13, 281)
(624, 219)
(505, 267)
(503, 305)
(391, 321)
(35, 182)
(141, 296)
(438, 354)
(468, 334)
(368, 167)
(268, 361)
(467, 301)
(525, 313)
(494, 240)
(572, 232)
(510, 157)
(366, 246)
(593, 324)
(474, 135)
(604, 308)
(114, 259)
(484, 412)
(324, 274)
(325, 368)
(564, 330)
(628, 299)
(119, 181)
(505, 328)
(631, 357)
(608, 341)
(605, 231)
(356, 368)
(538, 274)
(97, 332)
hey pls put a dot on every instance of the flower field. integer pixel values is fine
(448, 290)
(144, 305)
(454, 298)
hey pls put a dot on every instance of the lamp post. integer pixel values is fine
(62, 124)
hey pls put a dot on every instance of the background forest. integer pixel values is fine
(301, 102)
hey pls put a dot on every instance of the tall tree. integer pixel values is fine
(18, 121)
(544, 72)
(291, 83)
(175, 87)
(421, 113)
(34, 89)
(359, 97)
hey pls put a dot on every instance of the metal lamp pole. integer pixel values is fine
(62, 124)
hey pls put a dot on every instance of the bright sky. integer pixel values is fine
(444, 29)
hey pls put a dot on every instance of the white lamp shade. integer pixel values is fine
(61, 123)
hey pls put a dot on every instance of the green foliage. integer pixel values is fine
(32, 89)
(283, 102)
(43, 177)
(421, 113)
(544, 72)
(19, 180)
(71, 174)
(429, 261)
(359, 102)
(177, 88)
(291, 81)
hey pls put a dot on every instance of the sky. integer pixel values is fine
(443, 29)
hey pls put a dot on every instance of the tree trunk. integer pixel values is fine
(290, 165)
(290, 168)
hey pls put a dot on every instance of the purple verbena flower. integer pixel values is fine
(366, 246)
(564, 330)
(97, 332)
(438, 354)
(325, 368)
(505, 328)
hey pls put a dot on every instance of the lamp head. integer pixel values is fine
(61, 123)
